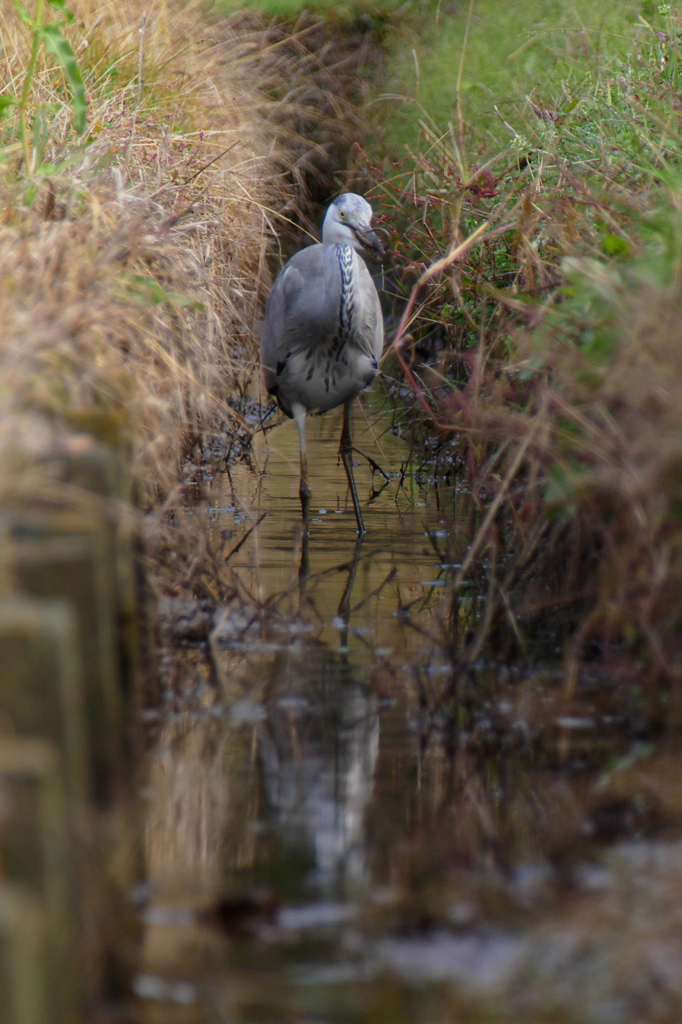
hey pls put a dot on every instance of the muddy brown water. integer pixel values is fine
(336, 830)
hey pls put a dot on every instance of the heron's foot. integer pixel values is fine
(373, 464)
(347, 459)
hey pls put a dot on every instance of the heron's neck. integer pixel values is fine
(344, 255)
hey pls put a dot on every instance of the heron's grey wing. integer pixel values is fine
(287, 286)
(300, 313)
(370, 333)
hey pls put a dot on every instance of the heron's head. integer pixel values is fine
(349, 222)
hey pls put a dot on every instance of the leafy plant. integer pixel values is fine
(49, 35)
(540, 263)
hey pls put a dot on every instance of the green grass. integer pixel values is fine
(339, 12)
(550, 351)
(522, 48)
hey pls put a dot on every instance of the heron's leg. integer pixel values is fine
(303, 490)
(346, 453)
(304, 564)
(343, 611)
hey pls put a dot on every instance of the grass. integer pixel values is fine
(134, 255)
(119, 290)
(132, 258)
(511, 51)
(544, 341)
(290, 10)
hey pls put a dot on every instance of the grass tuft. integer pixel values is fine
(133, 257)
(543, 346)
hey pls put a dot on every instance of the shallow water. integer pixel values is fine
(338, 829)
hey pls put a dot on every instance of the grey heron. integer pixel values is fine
(324, 332)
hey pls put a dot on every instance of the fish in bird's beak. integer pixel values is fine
(370, 240)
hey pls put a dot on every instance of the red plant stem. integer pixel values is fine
(457, 252)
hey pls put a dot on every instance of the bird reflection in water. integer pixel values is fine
(315, 725)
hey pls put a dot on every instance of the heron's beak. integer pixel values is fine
(370, 240)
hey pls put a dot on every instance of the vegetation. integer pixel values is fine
(545, 339)
(535, 198)
(512, 52)
(117, 234)
(343, 12)
(536, 205)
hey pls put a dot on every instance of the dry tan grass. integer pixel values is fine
(131, 267)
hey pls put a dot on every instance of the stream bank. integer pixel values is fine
(333, 815)
(133, 258)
